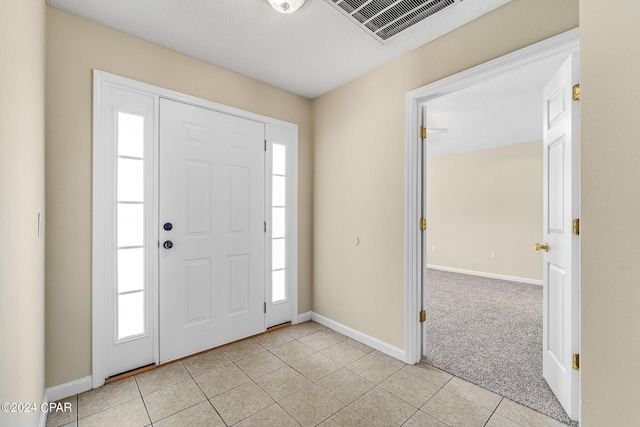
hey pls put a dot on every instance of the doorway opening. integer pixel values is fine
(432, 250)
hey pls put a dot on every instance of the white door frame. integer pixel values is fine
(567, 42)
(101, 81)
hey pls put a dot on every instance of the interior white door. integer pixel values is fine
(211, 216)
(561, 294)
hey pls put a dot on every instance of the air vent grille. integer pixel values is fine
(384, 19)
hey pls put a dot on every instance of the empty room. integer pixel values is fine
(212, 211)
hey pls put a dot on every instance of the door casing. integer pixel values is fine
(101, 82)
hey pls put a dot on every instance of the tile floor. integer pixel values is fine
(303, 375)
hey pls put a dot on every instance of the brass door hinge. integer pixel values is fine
(423, 316)
(576, 362)
(576, 227)
(576, 92)
(423, 132)
(422, 224)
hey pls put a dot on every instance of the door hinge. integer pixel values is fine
(265, 308)
(576, 92)
(423, 316)
(265, 145)
(423, 132)
(576, 227)
(575, 362)
(422, 224)
(265, 226)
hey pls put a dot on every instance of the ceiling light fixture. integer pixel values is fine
(286, 6)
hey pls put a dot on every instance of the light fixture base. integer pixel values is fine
(286, 6)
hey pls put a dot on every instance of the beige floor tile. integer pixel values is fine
(474, 393)
(319, 340)
(274, 339)
(242, 349)
(241, 402)
(292, 351)
(271, 416)
(200, 415)
(315, 366)
(345, 385)
(282, 382)
(420, 419)
(107, 396)
(374, 369)
(346, 418)
(526, 416)
(413, 390)
(63, 417)
(455, 410)
(260, 364)
(302, 329)
(381, 408)
(205, 362)
(163, 376)
(130, 414)
(343, 353)
(358, 345)
(311, 405)
(335, 334)
(499, 421)
(173, 399)
(429, 373)
(221, 380)
(387, 358)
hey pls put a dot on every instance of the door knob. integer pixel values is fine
(542, 247)
(168, 244)
(167, 226)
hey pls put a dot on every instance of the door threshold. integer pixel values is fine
(153, 366)
(130, 373)
(276, 327)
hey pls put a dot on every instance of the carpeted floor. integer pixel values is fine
(489, 332)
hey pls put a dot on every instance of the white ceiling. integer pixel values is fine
(307, 53)
(498, 112)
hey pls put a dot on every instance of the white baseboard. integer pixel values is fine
(304, 317)
(489, 275)
(68, 389)
(385, 348)
(43, 414)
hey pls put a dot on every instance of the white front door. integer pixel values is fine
(212, 229)
(561, 294)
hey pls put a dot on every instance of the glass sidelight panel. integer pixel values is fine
(279, 222)
(130, 260)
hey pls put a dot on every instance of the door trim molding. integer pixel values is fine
(101, 81)
(565, 42)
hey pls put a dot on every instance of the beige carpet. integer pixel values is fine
(489, 332)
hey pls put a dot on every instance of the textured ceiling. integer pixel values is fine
(498, 112)
(308, 53)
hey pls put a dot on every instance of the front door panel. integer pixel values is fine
(212, 194)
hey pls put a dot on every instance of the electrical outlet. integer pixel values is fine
(493, 254)
(434, 249)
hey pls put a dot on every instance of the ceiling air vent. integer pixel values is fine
(384, 19)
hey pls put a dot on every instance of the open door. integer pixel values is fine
(561, 205)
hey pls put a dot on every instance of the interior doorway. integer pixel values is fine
(556, 49)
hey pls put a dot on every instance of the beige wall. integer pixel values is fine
(359, 164)
(483, 201)
(75, 47)
(610, 177)
(22, 79)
